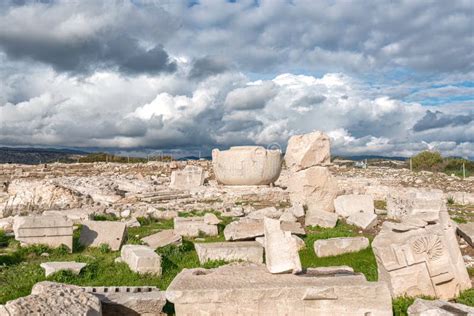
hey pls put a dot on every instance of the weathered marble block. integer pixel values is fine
(307, 150)
(423, 307)
(466, 231)
(417, 260)
(346, 205)
(281, 249)
(163, 238)
(250, 251)
(52, 230)
(50, 298)
(248, 289)
(96, 233)
(55, 266)
(188, 178)
(246, 165)
(411, 202)
(141, 259)
(192, 226)
(247, 228)
(129, 300)
(338, 246)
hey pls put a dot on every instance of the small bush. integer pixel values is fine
(380, 204)
(400, 305)
(450, 200)
(427, 160)
(3, 239)
(104, 248)
(105, 217)
(466, 297)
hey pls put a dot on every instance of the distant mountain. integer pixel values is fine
(37, 155)
(363, 157)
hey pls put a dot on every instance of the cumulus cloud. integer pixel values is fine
(379, 77)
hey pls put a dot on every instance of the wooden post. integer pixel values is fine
(464, 171)
(411, 165)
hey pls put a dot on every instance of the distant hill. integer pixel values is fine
(37, 155)
(368, 157)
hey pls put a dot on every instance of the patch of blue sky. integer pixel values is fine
(446, 100)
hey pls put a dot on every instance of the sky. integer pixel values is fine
(383, 77)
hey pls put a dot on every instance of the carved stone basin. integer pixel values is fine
(246, 165)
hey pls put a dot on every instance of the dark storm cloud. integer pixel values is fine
(207, 66)
(438, 119)
(84, 37)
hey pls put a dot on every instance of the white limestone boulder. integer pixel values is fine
(423, 307)
(53, 267)
(193, 226)
(338, 246)
(321, 219)
(52, 230)
(362, 219)
(250, 251)
(466, 231)
(163, 238)
(314, 187)
(410, 202)
(307, 150)
(96, 233)
(281, 250)
(49, 298)
(141, 259)
(346, 205)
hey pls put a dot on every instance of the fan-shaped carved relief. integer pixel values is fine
(431, 245)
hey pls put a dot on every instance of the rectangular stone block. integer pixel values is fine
(250, 251)
(248, 289)
(163, 238)
(346, 205)
(52, 230)
(188, 178)
(321, 219)
(192, 226)
(141, 259)
(466, 231)
(95, 233)
(338, 246)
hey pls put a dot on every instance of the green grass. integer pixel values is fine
(362, 261)
(20, 266)
(400, 305)
(105, 217)
(466, 297)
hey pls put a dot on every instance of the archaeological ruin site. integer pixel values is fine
(253, 231)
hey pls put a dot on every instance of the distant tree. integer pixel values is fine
(427, 160)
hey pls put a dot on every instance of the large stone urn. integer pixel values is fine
(246, 165)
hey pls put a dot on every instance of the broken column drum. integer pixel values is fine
(246, 165)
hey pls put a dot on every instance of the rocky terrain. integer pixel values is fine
(139, 225)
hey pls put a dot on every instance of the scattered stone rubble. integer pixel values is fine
(416, 252)
(49, 298)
